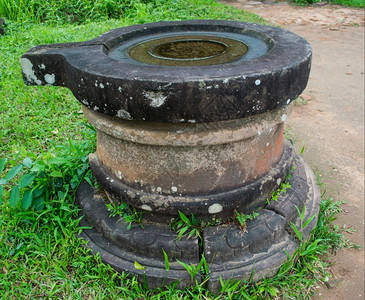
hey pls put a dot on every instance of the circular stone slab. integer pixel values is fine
(107, 76)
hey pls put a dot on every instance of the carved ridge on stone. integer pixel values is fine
(246, 198)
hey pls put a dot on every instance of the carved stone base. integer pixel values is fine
(231, 253)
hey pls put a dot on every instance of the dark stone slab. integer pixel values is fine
(148, 241)
(231, 252)
(121, 247)
(132, 90)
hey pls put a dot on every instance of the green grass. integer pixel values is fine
(347, 3)
(40, 255)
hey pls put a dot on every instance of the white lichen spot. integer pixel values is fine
(215, 208)
(192, 121)
(146, 207)
(283, 118)
(288, 101)
(131, 98)
(96, 108)
(82, 79)
(101, 85)
(278, 181)
(111, 180)
(182, 120)
(42, 66)
(119, 174)
(201, 83)
(257, 81)
(159, 190)
(225, 81)
(50, 78)
(174, 189)
(124, 114)
(120, 89)
(267, 144)
(157, 99)
(84, 101)
(27, 68)
(209, 87)
(217, 86)
(179, 131)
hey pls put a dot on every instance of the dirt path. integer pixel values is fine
(330, 121)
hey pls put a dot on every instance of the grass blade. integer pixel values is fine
(297, 232)
(167, 263)
(184, 218)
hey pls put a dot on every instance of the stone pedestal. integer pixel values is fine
(189, 118)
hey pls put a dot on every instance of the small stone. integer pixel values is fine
(253, 3)
(320, 3)
(215, 208)
(146, 207)
(333, 283)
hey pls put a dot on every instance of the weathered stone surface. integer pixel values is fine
(204, 169)
(231, 253)
(121, 247)
(147, 241)
(261, 249)
(136, 91)
(244, 198)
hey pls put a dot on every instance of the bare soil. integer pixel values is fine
(328, 120)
